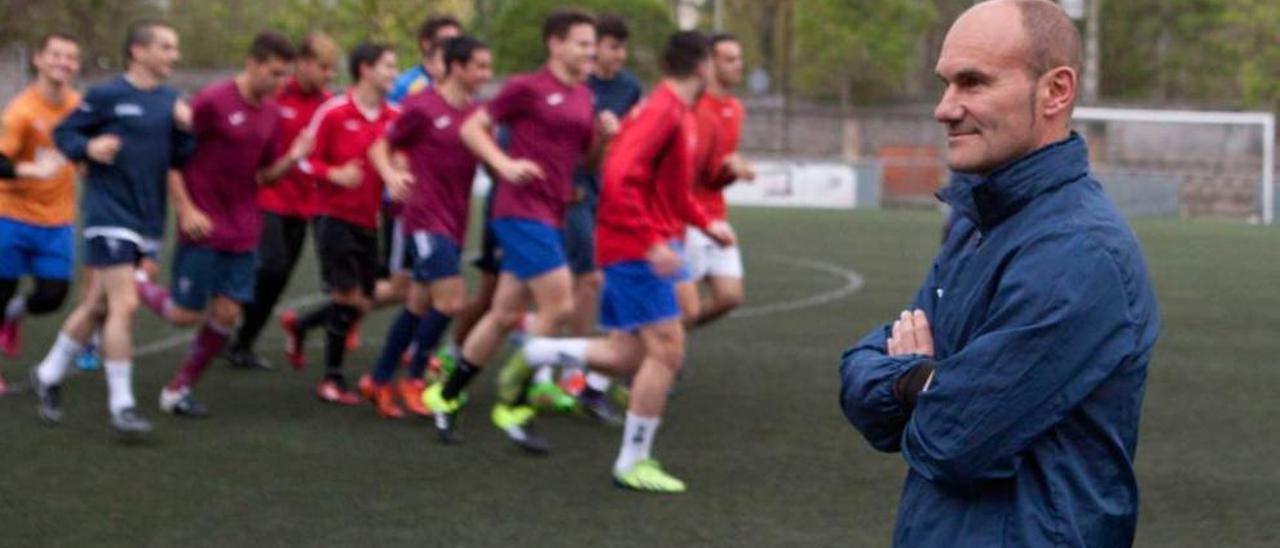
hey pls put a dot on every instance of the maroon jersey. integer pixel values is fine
(234, 139)
(343, 133)
(294, 193)
(442, 166)
(550, 123)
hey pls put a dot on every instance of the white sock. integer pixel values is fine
(598, 381)
(56, 363)
(637, 440)
(16, 309)
(540, 351)
(544, 374)
(119, 385)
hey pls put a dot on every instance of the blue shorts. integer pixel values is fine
(40, 251)
(684, 274)
(634, 297)
(529, 248)
(200, 272)
(433, 256)
(580, 230)
(106, 247)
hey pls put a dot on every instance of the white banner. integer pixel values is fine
(798, 184)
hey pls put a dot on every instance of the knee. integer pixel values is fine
(670, 356)
(124, 304)
(508, 319)
(48, 296)
(226, 313)
(591, 281)
(730, 300)
(450, 306)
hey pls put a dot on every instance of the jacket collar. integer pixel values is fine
(989, 199)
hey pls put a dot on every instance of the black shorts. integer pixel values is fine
(348, 255)
(281, 244)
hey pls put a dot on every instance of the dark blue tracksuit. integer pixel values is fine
(1043, 320)
(130, 193)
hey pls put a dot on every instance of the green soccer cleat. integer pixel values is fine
(647, 476)
(516, 421)
(548, 396)
(444, 412)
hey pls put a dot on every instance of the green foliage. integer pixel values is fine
(516, 32)
(856, 49)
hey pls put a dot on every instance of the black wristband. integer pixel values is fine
(912, 382)
(7, 170)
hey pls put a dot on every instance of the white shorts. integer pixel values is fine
(708, 259)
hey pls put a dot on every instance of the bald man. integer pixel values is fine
(1013, 383)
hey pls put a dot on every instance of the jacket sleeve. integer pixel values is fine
(1058, 327)
(73, 133)
(632, 157)
(867, 378)
(316, 164)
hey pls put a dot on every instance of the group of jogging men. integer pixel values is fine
(606, 214)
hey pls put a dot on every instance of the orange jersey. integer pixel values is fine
(719, 128)
(26, 131)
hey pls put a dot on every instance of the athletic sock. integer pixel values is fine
(427, 337)
(57, 362)
(16, 309)
(398, 338)
(637, 441)
(542, 351)
(267, 290)
(209, 341)
(314, 319)
(119, 385)
(598, 382)
(154, 296)
(338, 323)
(459, 380)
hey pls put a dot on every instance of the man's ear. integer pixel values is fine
(1059, 87)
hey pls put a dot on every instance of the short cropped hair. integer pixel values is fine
(460, 49)
(613, 26)
(561, 21)
(365, 54)
(268, 45)
(141, 33)
(683, 52)
(1052, 37)
(432, 25)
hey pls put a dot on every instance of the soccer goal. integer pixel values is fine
(1192, 163)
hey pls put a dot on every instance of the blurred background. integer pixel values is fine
(847, 84)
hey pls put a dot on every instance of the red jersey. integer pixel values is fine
(646, 196)
(550, 123)
(443, 168)
(343, 132)
(234, 139)
(719, 128)
(294, 194)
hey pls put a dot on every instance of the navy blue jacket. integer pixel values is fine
(131, 192)
(616, 95)
(1043, 320)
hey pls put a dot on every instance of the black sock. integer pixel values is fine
(460, 378)
(266, 292)
(340, 319)
(314, 319)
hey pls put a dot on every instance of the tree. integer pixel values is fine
(857, 49)
(517, 32)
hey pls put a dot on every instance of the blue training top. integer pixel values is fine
(616, 95)
(131, 192)
(1043, 319)
(408, 83)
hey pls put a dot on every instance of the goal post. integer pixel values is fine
(1263, 122)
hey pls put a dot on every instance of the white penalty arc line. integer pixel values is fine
(179, 339)
(852, 283)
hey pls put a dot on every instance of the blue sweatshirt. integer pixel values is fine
(131, 192)
(1043, 320)
(616, 95)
